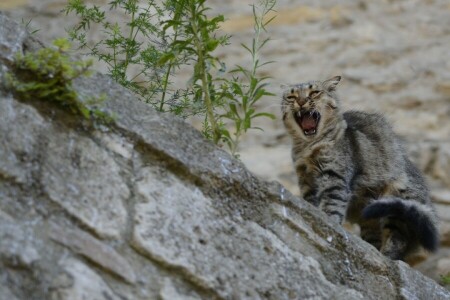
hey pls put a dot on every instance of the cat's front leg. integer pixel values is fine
(309, 194)
(333, 195)
(335, 206)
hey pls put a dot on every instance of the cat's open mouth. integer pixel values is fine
(308, 121)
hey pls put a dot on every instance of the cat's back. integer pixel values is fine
(374, 144)
(371, 127)
(369, 123)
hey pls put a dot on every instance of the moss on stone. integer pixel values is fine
(48, 75)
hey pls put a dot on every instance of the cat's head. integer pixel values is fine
(309, 108)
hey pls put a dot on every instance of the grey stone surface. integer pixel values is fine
(99, 253)
(429, 289)
(18, 146)
(169, 292)
(180, 217)
(78, 281)
(16, 245)
(177, 225)
(84, 190)
(5, 293)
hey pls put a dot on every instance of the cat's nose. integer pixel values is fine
(301, 101)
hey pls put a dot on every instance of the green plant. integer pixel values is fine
(246, 88)
(445, 279)
(161, 38)
(132, 52)
(225, 100)
(28, 27)
(47, 75)
(198, 40)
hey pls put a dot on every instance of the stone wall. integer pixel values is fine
(147, 209)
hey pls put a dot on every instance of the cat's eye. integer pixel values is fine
(315, 94)
(291, 97)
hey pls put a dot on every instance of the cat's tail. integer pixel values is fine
(418, 217)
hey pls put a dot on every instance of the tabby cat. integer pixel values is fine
(351, 165)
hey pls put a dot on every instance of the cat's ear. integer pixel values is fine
(330, 84)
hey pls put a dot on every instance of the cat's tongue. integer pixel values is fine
(308, 122)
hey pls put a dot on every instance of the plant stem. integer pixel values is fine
(166, 81)
(203, 77)
(208, 103)
(177, 16)
(166, 78)
(235, 143)
(127, 55)
(258, 20)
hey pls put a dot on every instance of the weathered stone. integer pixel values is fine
(11, 39)
(96, 251)
(178, 226)
(16, 244)
(78, 281)
(5, 293)
(428, 287)
(169, 292)
(5, 217)
(92, 190)
(116, 143)
(18, 145)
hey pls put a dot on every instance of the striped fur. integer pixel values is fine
(353, 167)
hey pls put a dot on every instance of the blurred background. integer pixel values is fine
(394, 57)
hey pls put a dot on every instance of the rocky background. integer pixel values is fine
(393, 55)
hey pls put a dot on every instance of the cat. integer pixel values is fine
(353, 167)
